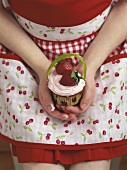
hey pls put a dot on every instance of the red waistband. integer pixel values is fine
(109, 59)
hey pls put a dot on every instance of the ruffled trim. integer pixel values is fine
(55, 156)
(66, 154)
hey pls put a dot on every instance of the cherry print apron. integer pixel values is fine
(99, 133)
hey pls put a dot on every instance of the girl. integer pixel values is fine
(33, 34)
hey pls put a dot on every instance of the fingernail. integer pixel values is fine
(51, 108)
(65, 117)
(83, 106)
(68, 109)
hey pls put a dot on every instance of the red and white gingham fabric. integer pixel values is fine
(53, 50)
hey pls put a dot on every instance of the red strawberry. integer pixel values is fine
(62, 66)
(67, 79)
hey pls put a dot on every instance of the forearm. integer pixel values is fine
(15, 38)
(112, 33)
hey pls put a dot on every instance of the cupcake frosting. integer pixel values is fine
(61, 90)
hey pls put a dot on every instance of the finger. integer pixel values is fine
(59, 107)
(45, 97)
(65, 110)
(87, 98)
(46, 101)
(73, 110)
(57, 114)
(71, 115)
(49, 107)
(63, 116)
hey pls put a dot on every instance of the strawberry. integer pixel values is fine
(69, 78)
(62, 66)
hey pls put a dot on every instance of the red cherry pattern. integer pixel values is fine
(41, 111)
(60, 142)
(5, 63)
(27, 106)
(0, 125)
(116, 61)
(109, 106)
(20, 71)
(117, 111)
(57, 141)
(80, 122)
(97, 84)
(29, 121)
(117, 126)
(111, 139)
(10, 89)
(104, 132)
(66, 131)
(8, 112)
(89, 132)
(26, 25)
(5, 76)
(18, 68)
(45, 35)
(67, 124)
(48, 136)
(46, 121)
(110, 121)
(95, 122)
(15, 119)
(116, 74)
(36, 99)
(62, 31)
(23, 92)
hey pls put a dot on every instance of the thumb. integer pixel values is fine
(46, 100)
(88, 96)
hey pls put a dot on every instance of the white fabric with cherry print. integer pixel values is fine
(22, 118)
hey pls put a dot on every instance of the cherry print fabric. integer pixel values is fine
(25, 113)
(23, 121)
(63, 33)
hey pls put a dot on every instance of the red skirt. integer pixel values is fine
(54, 156)
(46, 153)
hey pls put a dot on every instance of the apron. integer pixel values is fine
(99, 133)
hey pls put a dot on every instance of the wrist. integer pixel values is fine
(92, 65)
(90, 68)
(41, 68)
(41, 71)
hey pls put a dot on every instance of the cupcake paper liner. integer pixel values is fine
(69, 100)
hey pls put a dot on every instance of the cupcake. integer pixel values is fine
(65, 83)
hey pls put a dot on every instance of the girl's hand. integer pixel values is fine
(88, 94)
(46, 101)
(87, 99)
